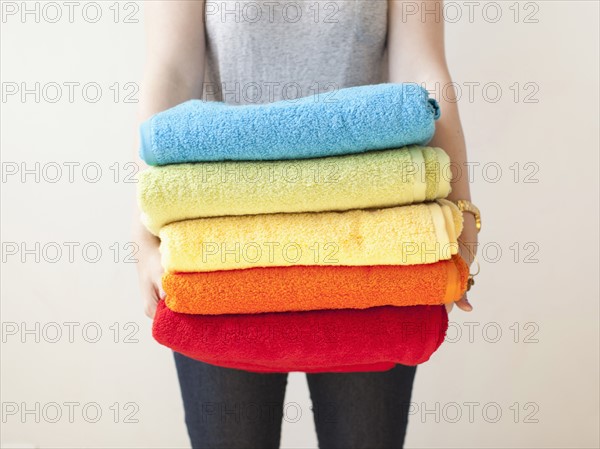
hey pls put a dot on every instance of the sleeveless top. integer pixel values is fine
(265, 51)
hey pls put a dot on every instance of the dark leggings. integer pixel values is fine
(228, 408)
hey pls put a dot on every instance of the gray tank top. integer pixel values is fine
(264, 51)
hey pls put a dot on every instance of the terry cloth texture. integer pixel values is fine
(353, 120)
(285, 289)
(372, 339)
(373, 179)
(405, 235)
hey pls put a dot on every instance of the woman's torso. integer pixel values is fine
(264, 51)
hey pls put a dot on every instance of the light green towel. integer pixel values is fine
(369, 180)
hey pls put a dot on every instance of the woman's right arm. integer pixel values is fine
(174, 73)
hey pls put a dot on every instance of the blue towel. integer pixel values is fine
(351, 120)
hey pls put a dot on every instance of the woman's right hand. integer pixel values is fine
(150, 273)
(174, 73)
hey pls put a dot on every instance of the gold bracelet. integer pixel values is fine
(467, 206)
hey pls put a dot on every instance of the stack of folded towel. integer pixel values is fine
(303, 236)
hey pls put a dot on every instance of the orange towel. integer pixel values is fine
(300, 288)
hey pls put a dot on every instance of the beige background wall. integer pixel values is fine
(529, 351)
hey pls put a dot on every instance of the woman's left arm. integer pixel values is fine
(416, 54)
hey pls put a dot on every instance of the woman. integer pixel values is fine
(266, 51)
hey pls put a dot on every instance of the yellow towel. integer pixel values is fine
(373, 179)
(406, 235)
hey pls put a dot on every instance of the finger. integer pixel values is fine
(161, 292)
(449, 307)
(157, 292)
(150, 308)
(151, 301)
(464, 304)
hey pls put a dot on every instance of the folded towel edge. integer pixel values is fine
(146, 152)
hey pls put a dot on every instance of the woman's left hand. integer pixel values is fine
(467, 248)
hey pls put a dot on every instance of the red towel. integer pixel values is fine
(344, 340)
